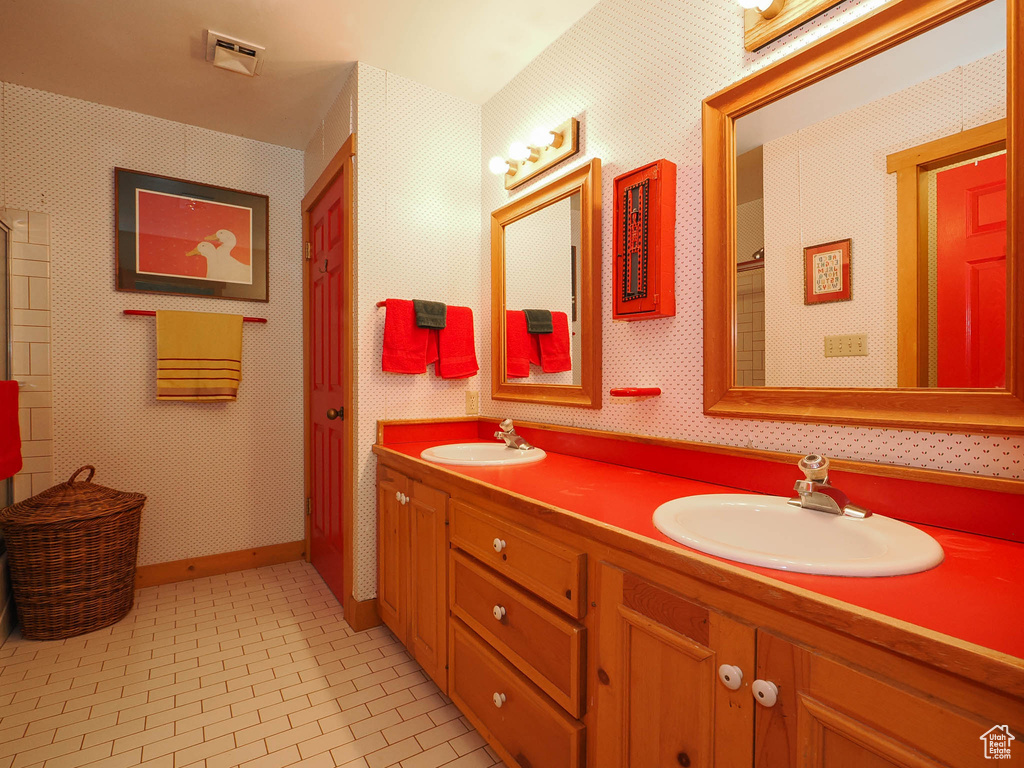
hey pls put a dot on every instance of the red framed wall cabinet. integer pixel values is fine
(645, 224)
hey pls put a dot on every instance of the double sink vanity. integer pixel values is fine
(570, 627)
(608, 600)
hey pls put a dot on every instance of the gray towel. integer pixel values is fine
(430, 314)
(538, 321)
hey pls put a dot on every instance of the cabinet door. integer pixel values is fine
(659, 700)
(428, 606)
(392, 559)
(831, 715)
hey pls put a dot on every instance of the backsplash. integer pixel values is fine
(634, 73)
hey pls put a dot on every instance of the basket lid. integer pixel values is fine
(72, 500)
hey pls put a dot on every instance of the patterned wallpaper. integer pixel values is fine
(219, 476)
(829, 182)
(634, 73)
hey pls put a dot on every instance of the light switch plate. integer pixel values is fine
(849, 345)
(472, 402)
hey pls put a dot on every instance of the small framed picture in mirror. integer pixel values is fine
(827, 272)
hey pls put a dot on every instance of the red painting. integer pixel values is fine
(182, 236)
(827, 272)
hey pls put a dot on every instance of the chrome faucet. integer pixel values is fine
(512, 440)
(816, 493)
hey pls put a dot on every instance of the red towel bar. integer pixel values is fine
(381, 304)
(636, 392)
(150, 313)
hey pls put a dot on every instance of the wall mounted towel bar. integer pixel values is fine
(150, 313)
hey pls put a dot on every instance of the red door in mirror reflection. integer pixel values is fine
(971, 274)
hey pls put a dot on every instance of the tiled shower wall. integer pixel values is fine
(30, 347)
(219, 476)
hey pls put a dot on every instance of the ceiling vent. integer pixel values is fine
(233, 54)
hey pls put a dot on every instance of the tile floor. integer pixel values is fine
(254, 669)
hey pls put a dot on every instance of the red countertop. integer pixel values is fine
(976, 594)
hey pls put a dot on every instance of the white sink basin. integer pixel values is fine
(766, 531)
(481, 455)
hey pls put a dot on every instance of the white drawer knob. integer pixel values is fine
(499, 544)
(498, 699)
(731, 677)
(398, 496)
(499, 612)
(766, 693)
(405, 499)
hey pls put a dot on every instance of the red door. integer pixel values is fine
(329, 451)
(971, 274)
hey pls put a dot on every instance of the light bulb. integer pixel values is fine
(499, 166)
(519, 151)
(764, 5)
(542, 137)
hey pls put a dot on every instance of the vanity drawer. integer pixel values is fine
(550, 570)
(528, 729)
(538, 641)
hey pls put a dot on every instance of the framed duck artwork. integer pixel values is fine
(185, 238)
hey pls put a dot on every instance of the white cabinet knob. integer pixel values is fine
(405, 499)
(766, 693)
(499, 544)
(499, 612)
(731, 677)
(498, 699)
(398, 496)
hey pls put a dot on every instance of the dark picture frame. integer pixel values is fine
(162, 244)
(827, 272)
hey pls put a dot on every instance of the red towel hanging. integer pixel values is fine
(10, 431)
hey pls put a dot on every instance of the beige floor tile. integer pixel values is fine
(254, 669)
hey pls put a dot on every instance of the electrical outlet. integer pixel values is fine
(849, 345)
(472, 402)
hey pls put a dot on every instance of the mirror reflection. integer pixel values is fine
(871, 220)
(542, 278)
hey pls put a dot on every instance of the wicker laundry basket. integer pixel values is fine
(72, 551)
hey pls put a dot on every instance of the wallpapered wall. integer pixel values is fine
(634, 73)
(829, 182)
(219, 476)
(417, 235)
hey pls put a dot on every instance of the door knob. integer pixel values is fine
(333, 413)
(766, 693)
(731, 677)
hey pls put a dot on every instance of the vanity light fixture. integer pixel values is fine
(768, 9)
(547, 147)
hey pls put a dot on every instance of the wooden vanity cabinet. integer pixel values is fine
(412, 568)
(659, 699)
(828, 714)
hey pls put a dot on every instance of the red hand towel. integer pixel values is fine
(517, 345)
(407, 347)
(555, 354)
(456, 346)
(10, 432)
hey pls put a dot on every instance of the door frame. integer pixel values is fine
(340, 165)
(909, 165)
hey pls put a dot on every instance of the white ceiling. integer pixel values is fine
(149, 55)
(967, 38)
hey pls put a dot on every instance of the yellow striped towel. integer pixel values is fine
(199, 356)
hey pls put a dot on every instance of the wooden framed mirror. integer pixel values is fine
(545, 248)
(829, 313)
